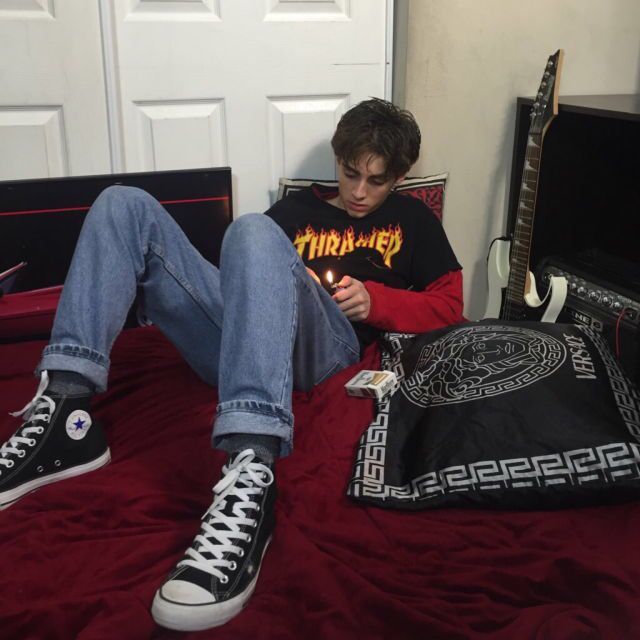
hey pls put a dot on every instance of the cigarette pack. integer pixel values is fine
(372, 384)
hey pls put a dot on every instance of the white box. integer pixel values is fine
(372, 384)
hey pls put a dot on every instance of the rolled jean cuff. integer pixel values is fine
(251, 416)
(91, 364)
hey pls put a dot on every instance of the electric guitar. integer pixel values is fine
(508, 263)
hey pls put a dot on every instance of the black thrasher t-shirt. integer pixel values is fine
(401, 244)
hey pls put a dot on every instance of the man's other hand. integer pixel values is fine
(353, 299)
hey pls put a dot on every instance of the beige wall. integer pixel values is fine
(467, 62)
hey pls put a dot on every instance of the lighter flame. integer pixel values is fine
(329, 277)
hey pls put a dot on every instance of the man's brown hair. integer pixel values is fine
(378, 127)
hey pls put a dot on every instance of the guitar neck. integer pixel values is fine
(521, 242)
(545, 108)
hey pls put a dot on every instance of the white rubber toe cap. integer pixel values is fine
(182, 592)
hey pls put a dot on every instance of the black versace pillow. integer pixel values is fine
(499, 414)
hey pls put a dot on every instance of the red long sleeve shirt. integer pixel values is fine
(439, 305)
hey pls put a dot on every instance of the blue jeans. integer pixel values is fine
(258, 327)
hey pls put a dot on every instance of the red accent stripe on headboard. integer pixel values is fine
(68, 209)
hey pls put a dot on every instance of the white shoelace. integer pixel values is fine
(242, 479)
(41, 407)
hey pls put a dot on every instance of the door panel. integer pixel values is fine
(52, 102)
(298, 131)
(182, 134)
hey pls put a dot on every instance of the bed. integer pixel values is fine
(83, 558)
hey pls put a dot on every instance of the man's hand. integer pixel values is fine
(314, 275)
(353, 299)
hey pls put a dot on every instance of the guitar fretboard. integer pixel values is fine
(521, 243)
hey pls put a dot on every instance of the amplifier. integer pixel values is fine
(605, 307)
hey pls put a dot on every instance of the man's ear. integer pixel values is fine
(399, 179)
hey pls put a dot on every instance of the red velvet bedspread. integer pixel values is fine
(81, 559)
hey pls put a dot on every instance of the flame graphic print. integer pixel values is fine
(318, 244)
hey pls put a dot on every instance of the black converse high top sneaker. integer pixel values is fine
(58, 440)
(218, 573)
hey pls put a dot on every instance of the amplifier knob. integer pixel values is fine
(594, 295)
(606, 300)
(616, 305)
(581, 291)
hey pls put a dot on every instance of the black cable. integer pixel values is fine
(491, 245)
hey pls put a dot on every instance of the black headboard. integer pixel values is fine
(40, 219)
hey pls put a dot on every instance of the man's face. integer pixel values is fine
(364, 187)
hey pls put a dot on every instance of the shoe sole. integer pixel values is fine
(10, 497)
(186, 617)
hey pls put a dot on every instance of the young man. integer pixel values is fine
(258, 327)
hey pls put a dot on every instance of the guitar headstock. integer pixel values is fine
(545, 106)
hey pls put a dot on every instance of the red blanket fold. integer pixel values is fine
(82, 558)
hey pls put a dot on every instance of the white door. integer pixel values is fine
(52, 100)
(257, 85)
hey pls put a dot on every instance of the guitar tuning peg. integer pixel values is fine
(539, 94)
(549, 64)
(546, 74)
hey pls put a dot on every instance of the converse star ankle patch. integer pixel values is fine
(78, 424)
